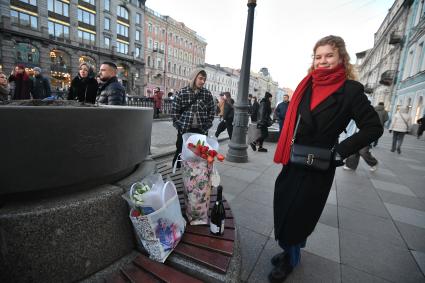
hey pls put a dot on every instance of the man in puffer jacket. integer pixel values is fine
(110, 92)
(399, 126)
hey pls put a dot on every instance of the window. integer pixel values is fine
(58, 7)
(150, 27)
(31, 2)
(155, 45)
(138, 35)
(107, 4)
(89, 1)
(420, 55)
(122, 12)
(86, 17)
(150, 43)
(107, 24)
(122, 47)
(122, 30)
(138, 18)
(162, 46)
(149, 61)
(107, 42)
(58, 30)
(137, 52)
(86, 37)
(23, 19)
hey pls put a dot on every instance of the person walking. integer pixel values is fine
(222, 125)
(23, 83)
(4, 87)
(110, 91)
(229, 114)
(280, 111)
(400, 125)
(383, 116)
(323, 104)
(263, 122)
(84, 86)
(40, 85)
(157, 101)
(254, 111)
(421, 128)
(192, 109)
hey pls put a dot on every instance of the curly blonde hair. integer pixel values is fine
(337, 43)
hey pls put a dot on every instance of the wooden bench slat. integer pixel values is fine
(229, 234)
(135, 274)
(211, 259)
(165, 272)
(116, 278)
(213, 244)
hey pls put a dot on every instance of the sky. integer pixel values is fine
(284, 31)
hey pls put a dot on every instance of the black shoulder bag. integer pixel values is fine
(306, 156)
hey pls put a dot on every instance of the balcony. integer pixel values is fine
(396, 37)
(388, 77)
(368, 88)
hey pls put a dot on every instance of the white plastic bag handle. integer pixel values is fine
(169, 185)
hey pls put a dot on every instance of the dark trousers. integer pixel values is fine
(220, 128)
(264, 135)
(179, 143)
(397, 140)
(353, 160)
(157, 111)
(229, 127)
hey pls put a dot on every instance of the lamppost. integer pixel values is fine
(237, 146)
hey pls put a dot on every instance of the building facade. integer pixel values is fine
(221, 79)
(410, 87)
(172, 52)
(377, 67)
(58, 35)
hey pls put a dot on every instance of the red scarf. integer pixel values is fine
(324, 83)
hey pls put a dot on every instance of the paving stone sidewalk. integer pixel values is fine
(371, 230)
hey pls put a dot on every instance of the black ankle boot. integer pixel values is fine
(279, 258)
(280, 272)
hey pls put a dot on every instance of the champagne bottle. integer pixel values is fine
(218, 214)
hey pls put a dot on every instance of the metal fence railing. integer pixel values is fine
(139, 101)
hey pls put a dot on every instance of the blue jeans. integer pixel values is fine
(294, 252)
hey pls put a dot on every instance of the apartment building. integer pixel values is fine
(57, 35)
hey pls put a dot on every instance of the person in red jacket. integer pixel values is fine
(23, 83)
(157, 101)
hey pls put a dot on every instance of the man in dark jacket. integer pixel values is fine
(41, 85)
(264, 121)
(254, 111)
(281, 111)
(110, 92)
(193, 109)
(383, 116)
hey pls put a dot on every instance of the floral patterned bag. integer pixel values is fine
(197, 190)
(161, 231)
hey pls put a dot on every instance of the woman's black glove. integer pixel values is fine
(338, 161)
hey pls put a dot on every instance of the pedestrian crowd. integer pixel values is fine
(86, 86)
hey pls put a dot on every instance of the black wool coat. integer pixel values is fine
(300, 194)
(85, 90)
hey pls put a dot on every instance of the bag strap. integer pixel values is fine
(407, 125)
(296, 129)
(295, 133)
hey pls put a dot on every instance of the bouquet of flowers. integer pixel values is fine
(197, 169)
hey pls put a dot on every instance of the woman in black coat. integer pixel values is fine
(84, 86)
(327, 99)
